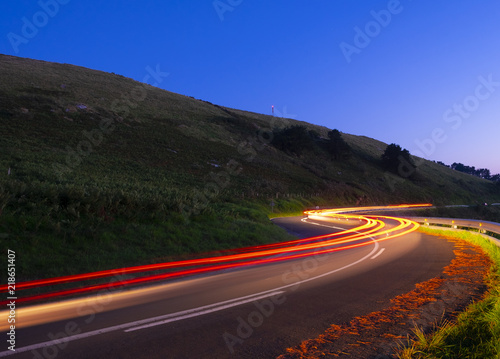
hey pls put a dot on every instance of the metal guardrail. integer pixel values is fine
(483, 226)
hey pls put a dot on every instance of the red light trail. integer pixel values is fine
(371, 228)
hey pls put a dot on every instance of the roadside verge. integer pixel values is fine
(476, 331)
(432, 311)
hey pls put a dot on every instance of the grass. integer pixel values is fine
(49, 243)
(85, 174)
(476, 332)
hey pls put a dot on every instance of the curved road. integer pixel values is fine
(251, 312)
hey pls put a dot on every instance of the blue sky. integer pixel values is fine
(423, 74)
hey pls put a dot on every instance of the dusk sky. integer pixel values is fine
(423, 74)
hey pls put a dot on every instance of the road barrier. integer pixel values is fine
(484, 227)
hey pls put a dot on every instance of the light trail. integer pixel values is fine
(372, 228)
(186, 263)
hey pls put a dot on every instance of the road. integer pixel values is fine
(248, 312)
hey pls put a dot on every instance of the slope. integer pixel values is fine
(97, 165)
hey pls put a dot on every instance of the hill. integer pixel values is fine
(117, 172)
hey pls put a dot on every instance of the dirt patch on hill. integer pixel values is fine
(378, 334)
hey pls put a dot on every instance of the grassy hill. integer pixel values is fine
(114, 172)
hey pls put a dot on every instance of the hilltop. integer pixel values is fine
(92, 159)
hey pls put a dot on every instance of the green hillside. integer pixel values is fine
(102, 168)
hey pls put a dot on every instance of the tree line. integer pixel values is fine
(395, 157)
(297, 139)
(479, 172)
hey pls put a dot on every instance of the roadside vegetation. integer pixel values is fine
(476, 331)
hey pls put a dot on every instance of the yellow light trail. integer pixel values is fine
(372, 228)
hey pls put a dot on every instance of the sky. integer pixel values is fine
(419, 73)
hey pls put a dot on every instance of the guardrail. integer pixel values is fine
(484, 227)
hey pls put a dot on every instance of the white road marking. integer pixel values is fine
(203, 310)
(379, 253)
(140, 324)
(305, 220)
(256, 296)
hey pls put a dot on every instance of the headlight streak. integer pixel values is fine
(371, 229)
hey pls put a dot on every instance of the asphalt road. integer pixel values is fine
(254, 312)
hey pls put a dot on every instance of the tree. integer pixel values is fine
(480, 172)
(294, 139)
(336, 145)
(460, 167)
(483, 173)
(495, 178)
(398, 160)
